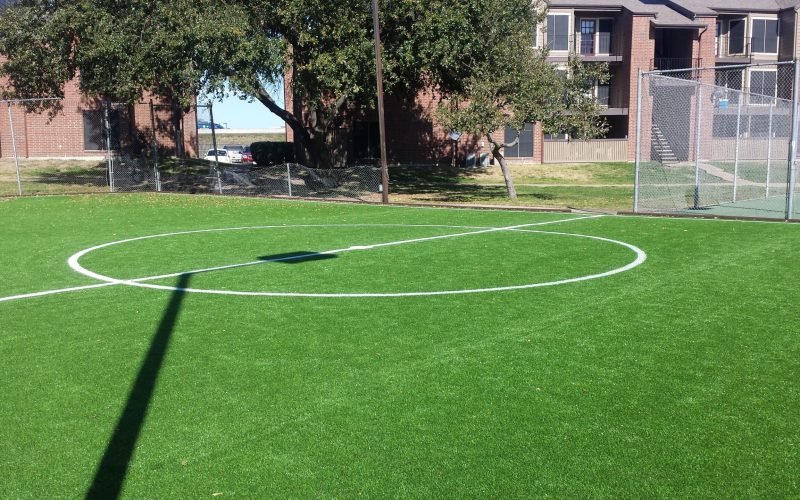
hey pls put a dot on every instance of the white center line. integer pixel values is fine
(109, 282)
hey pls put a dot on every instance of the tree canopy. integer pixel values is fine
(477, 51)
(517, 85)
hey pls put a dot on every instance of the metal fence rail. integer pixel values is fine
(54, 146)
(290, 179)
(705, 146)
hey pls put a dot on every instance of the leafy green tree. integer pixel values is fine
(173, 49)
(516, 85)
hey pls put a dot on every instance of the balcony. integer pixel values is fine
(675, 63)
(734, 49)
(600, 47)
(743, 49)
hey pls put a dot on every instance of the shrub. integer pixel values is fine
(271, 153)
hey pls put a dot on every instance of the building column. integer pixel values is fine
(638, 54)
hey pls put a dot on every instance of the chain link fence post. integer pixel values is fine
(772, 105)
(638, 154)
(793, 144)
(737, 148)
(154, 145)
(14, 149)
(697, 113)
(107, 128)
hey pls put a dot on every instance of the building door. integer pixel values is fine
(588, 30)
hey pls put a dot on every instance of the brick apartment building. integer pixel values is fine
(77, 130)
(628, 35)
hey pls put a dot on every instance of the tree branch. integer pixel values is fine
(291, 120)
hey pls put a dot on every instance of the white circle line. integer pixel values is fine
(641, 256)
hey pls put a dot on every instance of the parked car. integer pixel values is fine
(234, 152)
(222, 155)
(247, 155)
(205, 124)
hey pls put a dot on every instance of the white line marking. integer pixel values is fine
(53, 292)
(109, 281)
(641, 256)
(73, 261)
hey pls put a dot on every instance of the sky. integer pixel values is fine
(234, 112)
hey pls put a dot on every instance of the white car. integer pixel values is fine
(234, 152)
(222, 155)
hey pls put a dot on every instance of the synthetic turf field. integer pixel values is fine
(676, 376)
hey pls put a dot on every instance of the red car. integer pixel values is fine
(247, 155)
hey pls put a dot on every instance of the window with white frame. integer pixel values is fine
(736, 34)
(595, 36)
(558, 32)
(764, 36)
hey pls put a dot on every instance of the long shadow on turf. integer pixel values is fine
(296, 257)
(110, 474)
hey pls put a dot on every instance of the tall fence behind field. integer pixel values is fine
(718, 141)
(51, 146)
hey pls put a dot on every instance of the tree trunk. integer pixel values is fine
(315, 143)
(501, 160)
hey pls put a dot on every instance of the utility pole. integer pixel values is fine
(381, 121)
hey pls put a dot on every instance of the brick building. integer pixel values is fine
(628, 35)
(77, 129)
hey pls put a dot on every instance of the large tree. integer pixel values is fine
(517, 86)
(178, 49)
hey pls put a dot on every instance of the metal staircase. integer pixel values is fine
(661, 146)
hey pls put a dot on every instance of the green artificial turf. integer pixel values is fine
(678, 378)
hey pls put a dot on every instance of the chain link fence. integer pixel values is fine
(290, 179)
(55, 146)
(717, 141)
(52, 146)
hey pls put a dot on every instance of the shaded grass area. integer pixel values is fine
(53, 176)
(603, 186)
(678, 378)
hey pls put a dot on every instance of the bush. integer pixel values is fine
(272, 153)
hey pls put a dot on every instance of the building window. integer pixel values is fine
(595, 36)
(765, 36)
(731, 80)
(763, 83)
(94, 135)
(736, 29)
(602, 93)
(524, 148)
(558, 32)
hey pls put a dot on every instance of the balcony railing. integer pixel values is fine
(587, 45)
(734, 47)
(745, 47)
(671, 63)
